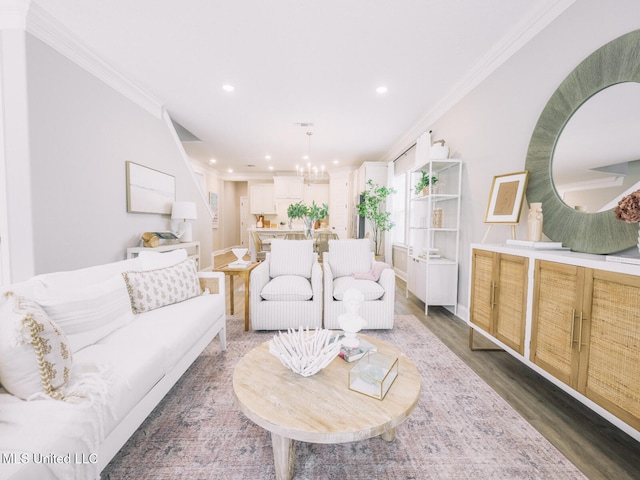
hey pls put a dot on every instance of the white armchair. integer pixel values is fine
(285, 291)
(348, 257)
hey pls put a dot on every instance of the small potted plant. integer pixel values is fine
(422, 187)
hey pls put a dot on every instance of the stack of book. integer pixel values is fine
(240, 264)
(353, 354)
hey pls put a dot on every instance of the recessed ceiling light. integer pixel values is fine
(267, 157)
(228, 88)
(212, 161)
(230, 170)
(270, 167)
(336, 162)
(381, 89)
(305, 157)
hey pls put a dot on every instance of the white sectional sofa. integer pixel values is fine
(121, 364)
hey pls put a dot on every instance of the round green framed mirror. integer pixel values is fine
(614, 63)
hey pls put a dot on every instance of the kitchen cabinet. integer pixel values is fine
(288, 187)
(261, 199)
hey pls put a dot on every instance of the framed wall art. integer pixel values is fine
(505, 199)
(149, 190)
(213, 205)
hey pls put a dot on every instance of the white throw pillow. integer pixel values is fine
(155, 260)
(35, 358)
(291, 257)
(287, 288)
(370, 290)
(87, 314)
(151, 289)
(347, 257)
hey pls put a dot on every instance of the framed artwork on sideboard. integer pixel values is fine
(505, 199)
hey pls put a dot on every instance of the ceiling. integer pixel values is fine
(297, 61)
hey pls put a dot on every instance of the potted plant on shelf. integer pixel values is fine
(422, 187)
(372, 207)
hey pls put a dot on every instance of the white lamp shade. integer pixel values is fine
(184, 211)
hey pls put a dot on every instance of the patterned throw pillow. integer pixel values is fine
(34, 355)
(151, 289)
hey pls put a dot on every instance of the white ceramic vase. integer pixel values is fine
(534, 222)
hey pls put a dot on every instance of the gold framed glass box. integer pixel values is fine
(373, 375)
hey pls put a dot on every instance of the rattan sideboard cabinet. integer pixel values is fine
(581, 322)
(499, 296)
(586, 333)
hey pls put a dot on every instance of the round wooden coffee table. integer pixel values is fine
(320, 408)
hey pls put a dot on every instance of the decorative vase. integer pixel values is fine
(436, 218)
(260, 223)
(425, 191)
(534, 222)
(308, 225)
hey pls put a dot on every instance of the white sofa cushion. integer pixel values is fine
(34, 354)
(87, 314)
(291, 257)
(370, 290)
(151, 289)
(347, 257)
(155, 260)
(287, 288)
(86, 276)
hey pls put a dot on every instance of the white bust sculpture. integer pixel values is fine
(350, 321)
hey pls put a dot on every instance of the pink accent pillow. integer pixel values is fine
(374, 274)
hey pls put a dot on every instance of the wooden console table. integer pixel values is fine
(192, 248)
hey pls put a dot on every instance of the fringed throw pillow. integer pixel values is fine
(35, 358)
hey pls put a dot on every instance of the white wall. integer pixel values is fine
(491, 127)
(80, 134)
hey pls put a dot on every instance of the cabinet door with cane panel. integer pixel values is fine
(586, 333)
(499, 296)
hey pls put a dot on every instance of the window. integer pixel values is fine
(402, 167)
(399, 208)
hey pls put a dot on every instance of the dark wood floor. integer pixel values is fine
(600, 450)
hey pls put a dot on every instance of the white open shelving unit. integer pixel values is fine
(434, 248)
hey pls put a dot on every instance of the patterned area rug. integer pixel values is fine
(461, 428)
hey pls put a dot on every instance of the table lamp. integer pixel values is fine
(185, 211)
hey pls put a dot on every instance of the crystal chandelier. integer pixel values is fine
(310, 172)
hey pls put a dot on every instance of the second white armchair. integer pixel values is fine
(346, 260)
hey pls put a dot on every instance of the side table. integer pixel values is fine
(241, 272)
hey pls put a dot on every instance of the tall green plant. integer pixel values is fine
(372, 207)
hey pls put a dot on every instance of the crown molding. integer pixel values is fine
(511, 43)
(45, 27)
(13, 14)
